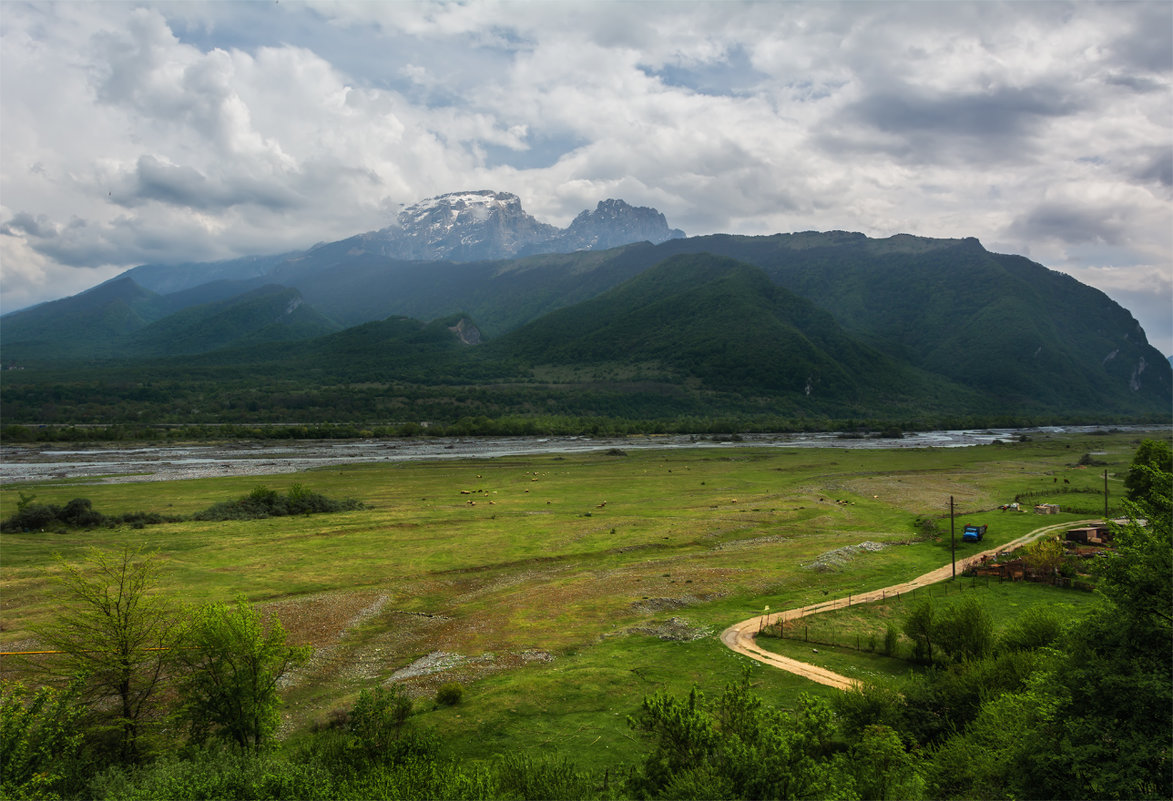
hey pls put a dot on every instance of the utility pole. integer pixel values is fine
(952, 539)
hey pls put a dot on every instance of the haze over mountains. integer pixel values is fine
(469, 289)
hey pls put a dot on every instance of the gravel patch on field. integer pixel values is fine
(435, 662)
(323, 622)
(653, 605)
(750, 543)
(675, 629)
(536, 655)
(831, 561)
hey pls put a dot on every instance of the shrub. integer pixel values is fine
(216, 772)
(264, 502)
(39, 737)
(33, 517)
(522, 777)
(965, 632)
(926, 528)
(1038, 627)
(80, 513)
(377, 718)
(867, 705)
(450, 694)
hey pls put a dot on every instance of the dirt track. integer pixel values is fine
(741, 636)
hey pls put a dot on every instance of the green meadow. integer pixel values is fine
(562, 590)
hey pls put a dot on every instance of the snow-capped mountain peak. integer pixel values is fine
(447, 210)
(483, 225)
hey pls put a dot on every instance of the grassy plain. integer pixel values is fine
(559, 590)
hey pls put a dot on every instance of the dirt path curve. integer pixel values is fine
(741, 637)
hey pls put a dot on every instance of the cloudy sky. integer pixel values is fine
(156, 132)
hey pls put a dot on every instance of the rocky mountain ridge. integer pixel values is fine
(461, 227)
(486, 225)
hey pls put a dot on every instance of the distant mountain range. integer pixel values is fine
(469, 290)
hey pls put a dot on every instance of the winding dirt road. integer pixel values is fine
(741, 637)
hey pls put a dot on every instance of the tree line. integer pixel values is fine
(261, 502)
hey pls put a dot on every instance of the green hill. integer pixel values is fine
(268, 314)
(89, 324)
(712, 319)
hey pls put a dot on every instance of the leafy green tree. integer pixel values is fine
(1102, 715)
(1153, 459)
(964, 631)
(232, 661)
(738, 748)
(1044, 557)
(983, 760)
(920, 626)
(882, 768)
(39, 733)
(377, 718)
(683, 736)
(1037, 627)
(1138, 577)
(868, 704)
(115, 631)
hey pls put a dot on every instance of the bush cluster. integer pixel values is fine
(264, 502)
(260, 503)
(78, 513)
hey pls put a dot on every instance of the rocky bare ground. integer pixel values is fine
(124, 462)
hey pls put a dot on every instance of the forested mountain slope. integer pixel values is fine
(819, 322)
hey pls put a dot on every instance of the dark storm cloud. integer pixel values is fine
(1158, 168)
(1148, 43)
(923, 126)
(1137, 83)
(25, 223)
(1071, 224)
(178, 185)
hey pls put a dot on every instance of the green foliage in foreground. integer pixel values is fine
(1153, 463)
(739, 748)
(1089, 717)
(231, 663)
(36, 729)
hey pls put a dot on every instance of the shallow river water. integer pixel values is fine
(169, 462)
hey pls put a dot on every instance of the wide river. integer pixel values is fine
(110, 465)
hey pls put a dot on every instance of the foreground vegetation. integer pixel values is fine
(569, 595)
